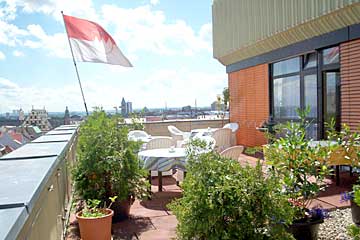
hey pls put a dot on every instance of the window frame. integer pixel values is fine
(317, 70)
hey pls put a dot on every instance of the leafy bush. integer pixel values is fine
(92, 209)
(107, 164)
(354, 231)
(222, 200)
(299, 165)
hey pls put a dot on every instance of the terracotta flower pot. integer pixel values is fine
(122, 209)
(95, 228)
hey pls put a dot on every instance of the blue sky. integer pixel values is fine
(167, 41)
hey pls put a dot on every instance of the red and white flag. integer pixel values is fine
(91, 43)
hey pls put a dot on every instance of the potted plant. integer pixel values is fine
(95, 222)
(347, 143)
(223, 200)
(301, 167)
(107, 164)
(354, 198)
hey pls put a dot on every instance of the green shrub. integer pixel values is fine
(300, 166)
(107, 164)
(354, 231)
(222, 200)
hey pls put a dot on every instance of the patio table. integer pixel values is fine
(202, 132)
(163, 159)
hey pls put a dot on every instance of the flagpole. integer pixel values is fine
(76, 69)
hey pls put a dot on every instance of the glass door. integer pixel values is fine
(331, 103)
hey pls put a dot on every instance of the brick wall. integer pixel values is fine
(350, 83)
(249, 103)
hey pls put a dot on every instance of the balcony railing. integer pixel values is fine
(35, 186)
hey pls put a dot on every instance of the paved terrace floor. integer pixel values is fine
(151, 219)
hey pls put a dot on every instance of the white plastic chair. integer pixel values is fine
(177, 135)
(159, 142)
(222, 138)
(137, 134)
(233, 126)
(233, 152)
(156, 143)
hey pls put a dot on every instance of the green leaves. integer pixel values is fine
(107, 163)
(300, 165)
(222, 200)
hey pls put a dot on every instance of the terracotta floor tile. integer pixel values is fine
(165, 223)
(131, 227)
(157, 235)
(322, 204)
(148, 212)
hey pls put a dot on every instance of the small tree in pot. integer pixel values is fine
(107, 164)
(302, 167)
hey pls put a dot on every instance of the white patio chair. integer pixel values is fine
(233, 126)
(233, 152)
(159, 142)
(177, 135)
(156, 143)
(137, 134)
(222, 138)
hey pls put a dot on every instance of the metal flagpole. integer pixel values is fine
(77, 72)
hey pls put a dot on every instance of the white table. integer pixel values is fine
(162, 160)
(202, 132)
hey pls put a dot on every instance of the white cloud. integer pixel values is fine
(144, 29)
(140, 29)
(18, 53)
(79, 8)
(8, 10)
(2, 56)
(10, 34)
(13, 96)
(178, 87)
(181, 87)
(154, 2)
(7, 84)
(55, 44)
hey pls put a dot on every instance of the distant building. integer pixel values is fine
(123, 107)
(186, 108)
(8, 143)
(215, 106)
(129, 107)
(126, 108)
(39, 118)
(21, 115)
(67, 116)
(75, 119)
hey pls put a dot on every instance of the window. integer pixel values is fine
(310, 94)
(294, 84)
(286, 67)
(286, 96)
(330, 55)
(309, 60)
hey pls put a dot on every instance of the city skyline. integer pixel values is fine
(169, 48)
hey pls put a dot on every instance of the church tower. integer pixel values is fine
(67, 117)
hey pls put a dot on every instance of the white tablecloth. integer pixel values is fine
(163, 159)
(202, 132)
